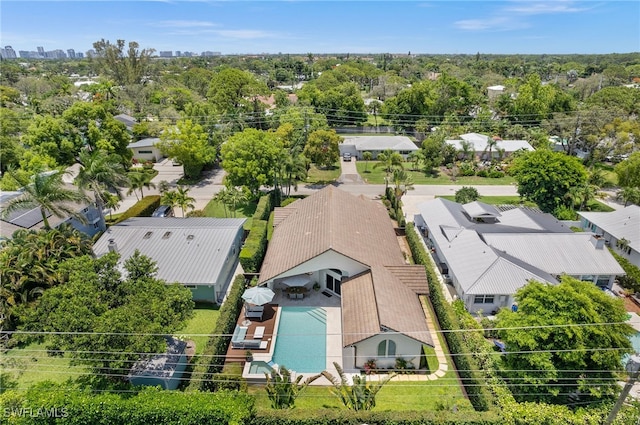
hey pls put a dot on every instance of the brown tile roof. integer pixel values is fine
(331, 219)
(360, 229)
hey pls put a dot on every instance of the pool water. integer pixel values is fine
(635, 343)
(301, 343)
(259, 368)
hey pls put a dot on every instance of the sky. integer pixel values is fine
(299, 26)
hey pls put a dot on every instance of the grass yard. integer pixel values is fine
(376, 176)
(200, 326)
(218, 209)
(323, 175)
(29, 365)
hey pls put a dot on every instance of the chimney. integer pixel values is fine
(112, 246)
(597, 241)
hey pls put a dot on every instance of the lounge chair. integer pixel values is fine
(238, 338)
(259, 332)
(254, 312)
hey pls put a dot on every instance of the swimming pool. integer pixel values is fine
(635, 343)
(301, 343)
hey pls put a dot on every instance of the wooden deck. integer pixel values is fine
(268, 321)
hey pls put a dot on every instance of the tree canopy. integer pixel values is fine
(98, 310)
(188, 144)
(545, 177)
(322, 148)
(251, 159)
(562, 339)
(628, 171)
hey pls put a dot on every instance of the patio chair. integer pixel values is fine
(259, 332)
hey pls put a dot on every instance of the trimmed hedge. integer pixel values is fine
(252, 253)
(150, 406)
(270, 226)
(465, 364)
(212, 359)
(264, 207)
(349, 417)
(143, 208)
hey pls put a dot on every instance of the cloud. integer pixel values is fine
(496, 23)
(543, 8)
(182, 24)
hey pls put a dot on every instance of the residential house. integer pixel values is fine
(127, 120)
(493, 92)
(347, 245)
(487, 253)
(164, 370)
(200, 253)
(480, 146)
(146, 149)
(620, 230)
(357, 145)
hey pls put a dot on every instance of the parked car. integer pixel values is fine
(163, 211)
(346, 156)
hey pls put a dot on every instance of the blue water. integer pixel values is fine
(301, 344)
(635, 343)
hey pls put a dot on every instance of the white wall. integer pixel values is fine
(406, 347)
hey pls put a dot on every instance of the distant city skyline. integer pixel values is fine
(254, 27)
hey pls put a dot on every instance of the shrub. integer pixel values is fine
(143, 208)
(264, 208)
(252, 253)
(482, 173)
(270, 226)
(350, 417)
(495, 174)
(632, 278)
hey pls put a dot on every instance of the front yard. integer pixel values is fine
(373, 175)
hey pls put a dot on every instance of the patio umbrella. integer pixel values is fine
(258, 295)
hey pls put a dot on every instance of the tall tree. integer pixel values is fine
(545, 177)
(48, 193)
(99, 310)
(123, 66)
(138, 181)
(322, 147)
(183, 200)
(250, 159)
(564, 339)
(103, 174)
(628, 171)
(188, 144)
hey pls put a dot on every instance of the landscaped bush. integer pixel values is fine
(143, 208)
(270, 226)
(252, 253)
(465, 365)
(349, 417)
(631, 280)
(212, 359)
(495, 174)
(482, 173)
(265, 206)
(150, 406)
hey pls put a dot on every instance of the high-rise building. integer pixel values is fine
(9, 53)
(71, 53)
(178, 53)
(41, 52)
(166, 54)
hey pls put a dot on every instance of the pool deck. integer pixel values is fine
(634, 321)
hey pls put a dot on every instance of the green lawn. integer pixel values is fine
(323, 175)
(200, 326)
(30, 365)
(218, 209)
(376, 176)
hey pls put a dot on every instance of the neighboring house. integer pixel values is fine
(146, 149)
(620, 229)
(199, 253)
(347, 245)
(32, 219)
(493, 92)
(164, 370)
(356, 145)
(127, 120)
(270, 101)
(488, 254)
(480, 142)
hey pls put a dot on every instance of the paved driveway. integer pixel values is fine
(349, 173)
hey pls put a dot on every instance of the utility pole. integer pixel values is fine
(633, 367)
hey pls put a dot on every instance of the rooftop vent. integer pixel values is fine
(166, 235)
(147, 235)
(190, 237)
(112, 247)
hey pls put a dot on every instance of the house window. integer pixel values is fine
(603, 281)
(141, 151)
(386, 348)
(190, 286)
(483, 299)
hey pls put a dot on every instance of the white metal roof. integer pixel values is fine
(479, 142)
(187, 250)
(144, 143)
(381, 143)
(621, 224)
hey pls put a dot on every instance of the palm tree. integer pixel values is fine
(402, 182)
(282, 390)
(416, 159)
(466, 149)
(293, 169)
(47, 192)
(387, 160)
(102, 173)
(629, 195)
(112, 202)
(170, 198)
(359, 396)
(488, 150)
(183, 200)
(366, 156)
(164, 187)
(138, 181)
(222, 197)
